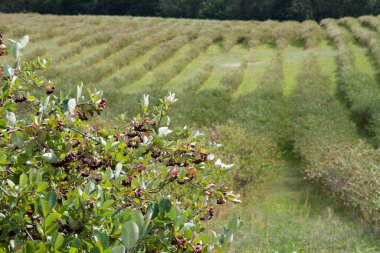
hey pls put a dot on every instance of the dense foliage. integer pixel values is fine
(68, 185)
(326, 140)
(211, 9)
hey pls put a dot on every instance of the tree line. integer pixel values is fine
(209, 9)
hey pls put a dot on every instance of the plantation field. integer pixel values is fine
(296, 105)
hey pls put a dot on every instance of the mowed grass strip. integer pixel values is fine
(293, 60)
(288, 211)
(225, 61)
(259, 59)
(326, 54)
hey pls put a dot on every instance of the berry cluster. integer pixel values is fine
(198, 248)
(101, 105)
(59, 126)
(208, 216)
(180, 242)
(49, 89)
(20, 99)
(70, 157)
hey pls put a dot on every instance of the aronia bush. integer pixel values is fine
(69, 186)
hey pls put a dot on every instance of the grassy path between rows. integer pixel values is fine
(290, 215)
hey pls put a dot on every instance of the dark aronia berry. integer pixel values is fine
(127, 182)
(50, 90)
(221, 201)
(20, 99)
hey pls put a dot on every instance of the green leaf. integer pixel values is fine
(41, 248)
(8, 71)
(50, 157)
(73, 250)
(71, 104)
(130, 234)
(52, 198)
(29, 150)
(29, 247)
(235, 223)
(11, 119)
(165, 205)
(3, 158)
(79, 90)
(3, 124)
(42, 186)
(50, 223)
(59, 241)
(44, 207)
(138, 218)
(76, 243)
(148, 217)
(118, 249)
(46, 103)
(118, 169)
(23, 180)
(24, 41)
(107, 204)
(95, 250)
(39, 228)
(16, 49)
(103, 239)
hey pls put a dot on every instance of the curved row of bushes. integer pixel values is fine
(160, 54)
(308, 34)
(264, 115)
(199, 45)
(360, 91)
(199, 78)
(370, 21)
(233, 77)
(327, 143)
(143, 41)
(366, 37)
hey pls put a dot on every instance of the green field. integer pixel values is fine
(304, 98)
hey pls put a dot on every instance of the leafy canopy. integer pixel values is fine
(67, 185)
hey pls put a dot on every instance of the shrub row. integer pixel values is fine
(121, 41)
(263, 112)
(115, 42)
(165, 51)
(234, 76)
(263, 33)
(125, 57)
(235, 34)
(360, 90)
(311, 34)
(365, 37)
(327, 143)
(255, 152)
(97, 72)
(286, 33)
(199, 78)
(199, 46)
(162, 53)
(370, 21)
(256, 157)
